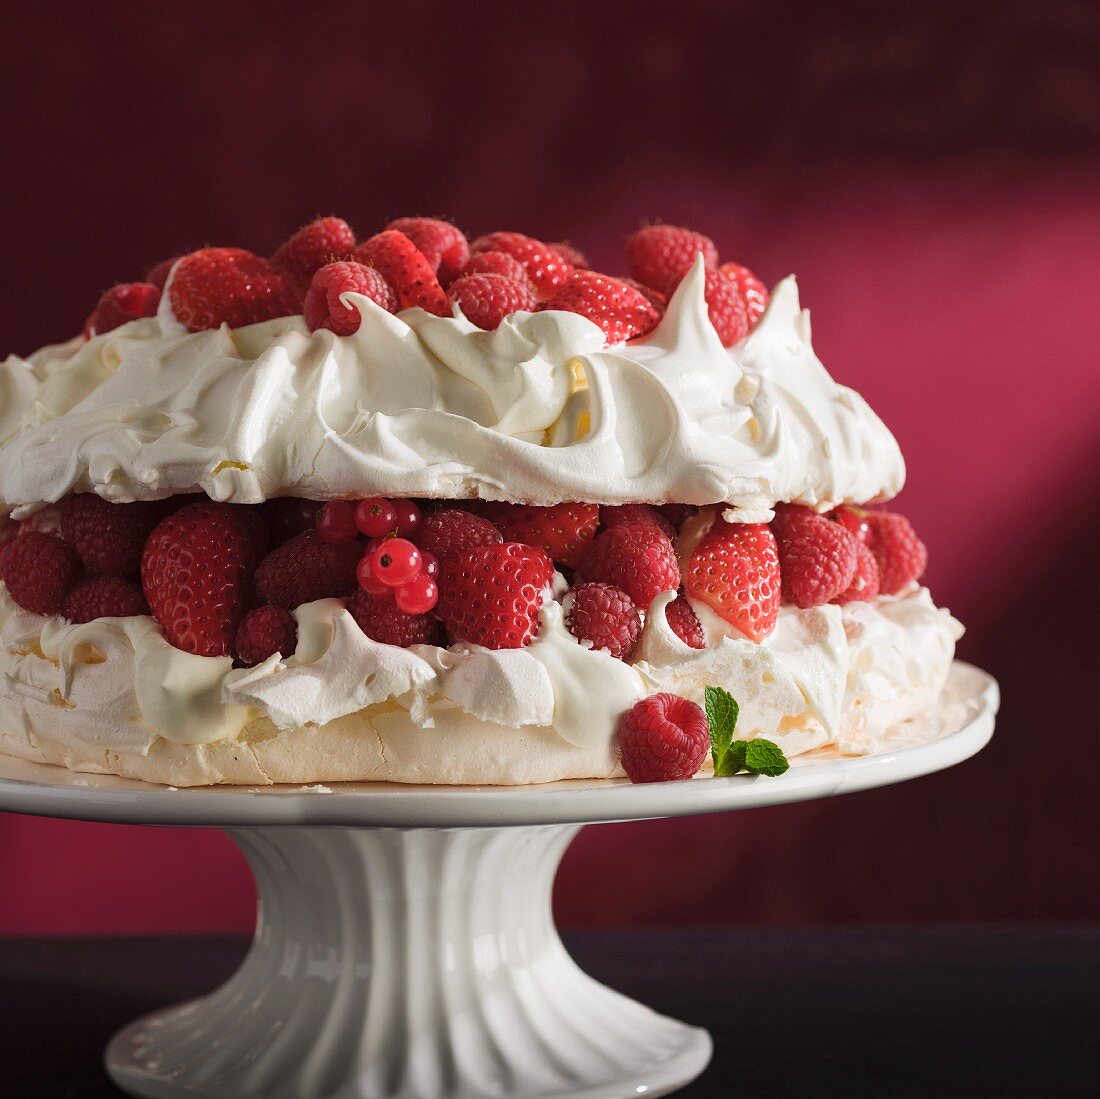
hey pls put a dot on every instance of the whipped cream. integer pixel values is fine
(538, 411)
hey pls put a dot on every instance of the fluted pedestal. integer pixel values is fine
(407, 963)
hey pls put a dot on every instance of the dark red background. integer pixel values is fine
(929, 173)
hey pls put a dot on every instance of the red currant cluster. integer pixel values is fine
(392, 565)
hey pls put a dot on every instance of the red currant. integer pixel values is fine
(368, 581)
(408, 517)
(335, 522)
(418, 596)
(395, 562)
(376, 517)
(429, 564)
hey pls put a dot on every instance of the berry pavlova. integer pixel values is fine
(422, 509)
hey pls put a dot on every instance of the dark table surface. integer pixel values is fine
(932, 1012)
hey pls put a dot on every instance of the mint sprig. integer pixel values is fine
(758, 757)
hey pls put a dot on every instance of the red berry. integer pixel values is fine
(408, 517)
(496, 263)
(216, 286)
(418, 596)
(621, 311)
(726, 308)
(660, 255)
(564, 531)
(39, 570)
(485, 300)
(429, 564)
(395, 561)
(637, 557)
(323, 308)
(158, 275)
(615, 515)
(606, 616)
(901, 556)
(381, 619)
(108, 538)
(264, 632)
(306, 569)
(376, 517)
(368, 580)
(404, 267)
(126, 302)
(335, 522)
(753, 292)
(865, 583)
(545, 266)
(655, 298)
(314, 245)
(853, 520)
(491, 595)
(452, 531)
(104, 597)
(817, 558)
(195, 572)
(287, 516)
(663, 738)
(442, 244)
(678, 514)
(685, 624)
(735, 571)
(570, 254)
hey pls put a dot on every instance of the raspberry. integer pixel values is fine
(901, 556)
(546, 267)
(496, 263)
(158, 275)
(39, 570)
(381, 619)
(306, 569)
(685, 624)
(564, 531)
(616, 515)
(126, 302)
(104, 597)
(452, 531)
(817, 558)
(442, 244)
(314, 245)
(726, 308)
(216, 286)
(753, 292)
(486, 300)
(287, 516)
(637, 557)
(865, 583)
(606, 616)
(735, 571)
(264, 632)
(660, 255)
(195, 574)
(404, 267)
(324, 309)
(491, 595)
(571, 254)
(108, 538)
(663, 738)
(621, 311)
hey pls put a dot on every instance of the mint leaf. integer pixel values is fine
(734, 759)
(721, 708)
(762, 757)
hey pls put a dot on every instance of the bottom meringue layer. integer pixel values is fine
(112, 696)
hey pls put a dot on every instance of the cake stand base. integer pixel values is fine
(407, 962)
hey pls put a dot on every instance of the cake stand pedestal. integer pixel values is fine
(405, 945)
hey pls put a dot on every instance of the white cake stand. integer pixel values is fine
(405, 945)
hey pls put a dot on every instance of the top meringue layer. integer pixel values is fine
(538, 411)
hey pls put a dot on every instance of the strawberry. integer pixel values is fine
(381, 619)
(491, 595)
(216, 286)
(104, 597)
(900, 555)
(108, 538)
(865, 583)
(451, 531)
(486, 300)
(571, 254)
(685, 624)
(817, 558)
(726, 308)
(753, 292)
(546, 267)
(264, 632)
(663, 738)
(195, 573)
(306, 569)
(404, 267)
(129, 301)
(497, 263)
(324, 309)
(39, 571)
(637, 557)
(321, 241)
(621, 311)
(660, 255)
(606, 616)
(564, 531)
(442, 244)
(734, 570)
(655, 298)
(613, 515)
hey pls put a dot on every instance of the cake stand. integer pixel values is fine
(404, 944)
